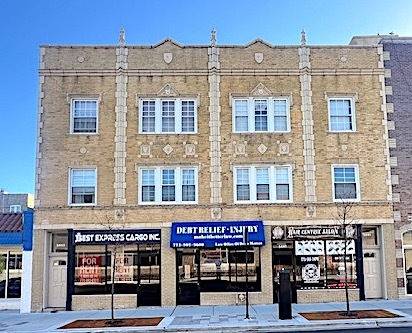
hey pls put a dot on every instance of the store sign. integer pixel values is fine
(311, 232)
(116, 237)
(216, 234)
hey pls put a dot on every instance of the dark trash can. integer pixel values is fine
(285, 296)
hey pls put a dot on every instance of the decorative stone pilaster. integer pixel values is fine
(120, 123)
(307, 121)
(214, 125)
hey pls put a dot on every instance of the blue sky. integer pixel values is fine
(27, 24)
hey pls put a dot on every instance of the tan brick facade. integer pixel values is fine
(119, 75)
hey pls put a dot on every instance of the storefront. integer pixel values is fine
(128, 260)
(216, 257)
(317, 258)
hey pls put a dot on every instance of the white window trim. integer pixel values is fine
(74, 99)
(270, 115)
(352, 100)
(158, 114)
(357, 182)
(272, 184)
(158, 185)
(70, 186)
(15, 208)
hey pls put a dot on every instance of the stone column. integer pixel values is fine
(307, 125)
(214, 125)
(120, 138)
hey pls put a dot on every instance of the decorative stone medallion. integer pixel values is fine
(262, 149)
(310, 211)
(168, 149)
(284, 148)
(259, 57)
(168, 57)
(145, 150)
(119, 214)
(240, 148)
(190, 149)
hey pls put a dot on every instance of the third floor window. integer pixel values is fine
(168, 116)
(84, 116)
(261, 115)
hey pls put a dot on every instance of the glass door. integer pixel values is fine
(283, 260)
(149, 292)
(188, 288)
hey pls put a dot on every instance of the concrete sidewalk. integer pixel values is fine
(263, 318)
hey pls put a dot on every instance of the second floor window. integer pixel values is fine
(261, 115)
(82, 187)
(345, 182)
(168, 185)
(263, 184)
(84, 116)
(168, 116)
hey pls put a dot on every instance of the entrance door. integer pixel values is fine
(372, 274)
(57, 282)
(188, 290)
(149, 278)
(283, 261)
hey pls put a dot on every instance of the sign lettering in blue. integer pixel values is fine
(216, 234)
(116, 237)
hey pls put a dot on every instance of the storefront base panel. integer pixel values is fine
(10, 304)
(326, 295)
(103, 302)
(238, 298)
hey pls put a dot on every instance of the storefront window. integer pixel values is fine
(321, 264)
(336, 271)
(133, 266)
(10, 275)
(310, 272)
(224, 269)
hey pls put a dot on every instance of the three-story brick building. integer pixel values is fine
(155, 163)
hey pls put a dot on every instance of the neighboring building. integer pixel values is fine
(153, 160)
(15, 203)
(397, 54)
(15, 239)
(398, 81)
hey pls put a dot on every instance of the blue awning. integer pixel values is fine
(216, 234)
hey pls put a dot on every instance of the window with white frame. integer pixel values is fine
(15, 208)
(168, 116)
(263, 184)
(84, 116)
(345, 182)
(82, 186)
(341, 114)
(168, 185)
(261, 115)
